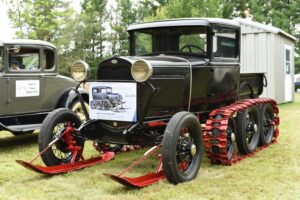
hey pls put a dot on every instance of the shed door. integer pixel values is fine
(288, 75)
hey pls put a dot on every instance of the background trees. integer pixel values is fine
(99, 29)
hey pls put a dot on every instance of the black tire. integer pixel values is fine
(177, 146)
(248, 128)
(266, 128)
(49, 131)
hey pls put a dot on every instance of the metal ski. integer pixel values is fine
(140, 181)
(77, 160)
(58, 169)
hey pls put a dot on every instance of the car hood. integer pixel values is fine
(166, 60)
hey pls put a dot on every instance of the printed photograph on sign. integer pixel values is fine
(113, 101)
(28, 88)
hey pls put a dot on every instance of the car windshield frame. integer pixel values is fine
(170, 40)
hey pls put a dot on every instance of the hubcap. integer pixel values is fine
(193, 150)
(255, 127)
(232, 137)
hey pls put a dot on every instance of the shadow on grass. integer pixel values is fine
(11, 142)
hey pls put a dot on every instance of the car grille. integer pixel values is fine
(114, 73)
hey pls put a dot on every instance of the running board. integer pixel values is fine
(138, 182)
(59, 169)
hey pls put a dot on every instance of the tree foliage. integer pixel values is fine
(39, 19)
(99, 31)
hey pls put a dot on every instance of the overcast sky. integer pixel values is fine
(6, 31)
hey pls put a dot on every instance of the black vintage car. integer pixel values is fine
(31, 86)
(104, 98)
(180, 74)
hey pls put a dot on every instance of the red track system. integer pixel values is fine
(220, 141)
(211, 142)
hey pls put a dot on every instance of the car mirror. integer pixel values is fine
(80, 71)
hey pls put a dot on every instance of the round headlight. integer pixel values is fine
(80, 71)
(141, 70)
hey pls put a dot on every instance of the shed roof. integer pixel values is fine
(264, 27)
(183, 22)
(27, 42)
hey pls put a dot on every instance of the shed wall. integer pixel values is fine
(264, 52)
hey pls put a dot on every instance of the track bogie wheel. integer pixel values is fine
(248, 128)
(267, 127)
(182, 148)
(53, 126)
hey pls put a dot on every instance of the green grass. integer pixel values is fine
(273, 173)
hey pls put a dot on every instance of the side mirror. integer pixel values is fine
(15, 49)
(80, 71)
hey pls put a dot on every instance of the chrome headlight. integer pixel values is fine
(80, 71)
(141, 70)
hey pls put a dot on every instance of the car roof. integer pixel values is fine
(184, 22)
(26, 42)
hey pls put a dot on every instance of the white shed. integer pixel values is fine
(269, 50)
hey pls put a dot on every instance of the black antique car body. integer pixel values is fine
(31, 86)
(180, 74)
(198, 82)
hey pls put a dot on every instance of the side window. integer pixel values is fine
(1, 60)
(143, 43)
(49, 59)
(26, 59)
(225, 43)
(287, 60)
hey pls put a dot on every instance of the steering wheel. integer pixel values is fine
(190, 46)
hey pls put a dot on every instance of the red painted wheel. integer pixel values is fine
(53, 126)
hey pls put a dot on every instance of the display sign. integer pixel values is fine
(113, 101)
(28, 88)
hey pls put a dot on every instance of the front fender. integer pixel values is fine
(69, 97)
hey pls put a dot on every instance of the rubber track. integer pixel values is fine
(219, 142)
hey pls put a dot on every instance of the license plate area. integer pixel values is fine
(115, 101)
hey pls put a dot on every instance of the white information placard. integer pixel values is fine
(113, 101)
(28, 88)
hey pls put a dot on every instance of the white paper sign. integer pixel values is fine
(113, 101)
(28, 88)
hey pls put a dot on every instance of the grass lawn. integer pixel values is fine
(273, 173)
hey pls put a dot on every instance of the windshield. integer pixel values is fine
(1, 60)
(179, 40)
